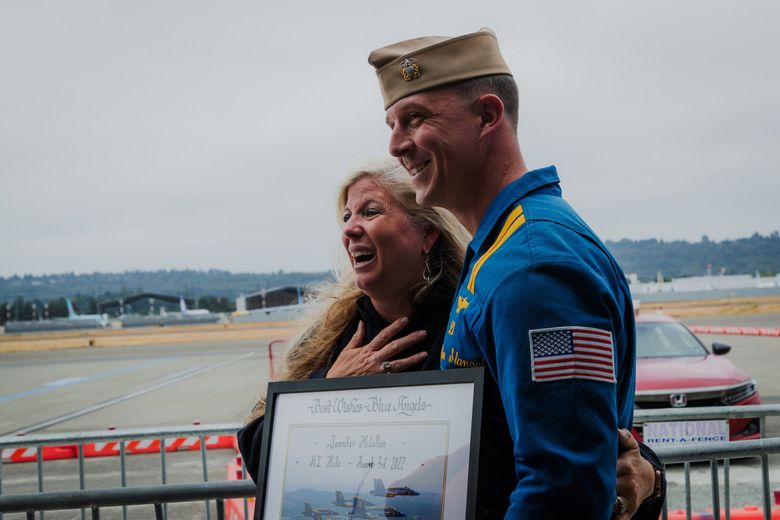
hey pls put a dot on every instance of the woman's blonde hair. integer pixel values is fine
(336, 302)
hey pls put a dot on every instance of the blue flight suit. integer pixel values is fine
(546, 308)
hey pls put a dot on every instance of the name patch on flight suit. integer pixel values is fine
(455, 360)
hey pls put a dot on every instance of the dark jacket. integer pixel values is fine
(430, 315)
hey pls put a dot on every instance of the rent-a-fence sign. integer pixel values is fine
(686, 432)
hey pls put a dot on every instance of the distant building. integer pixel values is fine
(696, 287)
(277, 304)
(275, 297)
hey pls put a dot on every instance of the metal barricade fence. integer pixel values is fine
(158, 495)
(725, 451)
(714, 452)
(38, 442)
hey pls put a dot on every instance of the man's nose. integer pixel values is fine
(399, 142)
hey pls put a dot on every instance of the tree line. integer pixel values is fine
(26, 296)
(679, 258)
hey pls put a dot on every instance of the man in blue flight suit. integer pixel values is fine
(542, 304)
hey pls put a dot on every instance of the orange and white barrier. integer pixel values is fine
(738, 331)
(234, 507)
(737, 513)
(49, 453)
(111, 448)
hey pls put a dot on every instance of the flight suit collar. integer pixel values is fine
(530, 181)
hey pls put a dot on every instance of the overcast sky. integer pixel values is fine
(192, 134)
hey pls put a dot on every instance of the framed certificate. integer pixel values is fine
(374, 447)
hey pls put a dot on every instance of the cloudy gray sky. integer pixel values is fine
(145, 134)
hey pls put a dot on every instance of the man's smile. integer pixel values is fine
(414, 170)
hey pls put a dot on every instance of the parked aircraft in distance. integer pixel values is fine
(187, 312)
(380, 491)
(73, 315)
(323, 512)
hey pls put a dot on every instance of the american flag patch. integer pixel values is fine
(572, 353)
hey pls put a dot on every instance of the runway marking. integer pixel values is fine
(68, 381)
(161, 383)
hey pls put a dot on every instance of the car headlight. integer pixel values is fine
(739, 393)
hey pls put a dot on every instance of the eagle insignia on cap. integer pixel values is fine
(410, 69)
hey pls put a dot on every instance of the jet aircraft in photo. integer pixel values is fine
(321, 512)
(380, 491)
(361, 511)
(342, 502)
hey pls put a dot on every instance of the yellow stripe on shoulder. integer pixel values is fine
(511, 224)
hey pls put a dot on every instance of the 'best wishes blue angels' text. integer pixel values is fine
(404, 405)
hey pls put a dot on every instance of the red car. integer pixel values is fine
(674, 370)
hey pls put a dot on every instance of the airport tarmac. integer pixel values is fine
(128, 387)
(154, 385)
(218, 381)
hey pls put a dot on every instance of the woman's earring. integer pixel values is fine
(427, 271)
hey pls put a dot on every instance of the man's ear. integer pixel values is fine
(491, 112)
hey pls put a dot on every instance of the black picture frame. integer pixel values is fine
(471, 376)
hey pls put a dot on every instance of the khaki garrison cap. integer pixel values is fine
(411, 66)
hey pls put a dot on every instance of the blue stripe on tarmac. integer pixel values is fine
(70, 381)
